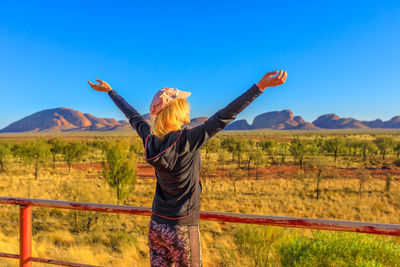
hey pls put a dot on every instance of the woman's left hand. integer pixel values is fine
(102, 87)
(267, 80)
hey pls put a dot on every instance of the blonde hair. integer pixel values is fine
(171, 118)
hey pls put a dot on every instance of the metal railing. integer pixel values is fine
(26, 204)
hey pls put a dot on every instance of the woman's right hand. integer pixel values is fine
(267, 80)
(102, 87)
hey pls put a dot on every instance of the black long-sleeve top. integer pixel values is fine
(177, 161)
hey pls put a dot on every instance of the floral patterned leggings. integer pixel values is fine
(178, 244)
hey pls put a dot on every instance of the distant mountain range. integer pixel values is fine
(284, 120)
(67, 120)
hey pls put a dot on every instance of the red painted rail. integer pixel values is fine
(26, 204)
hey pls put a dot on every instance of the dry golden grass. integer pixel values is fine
(122, 240)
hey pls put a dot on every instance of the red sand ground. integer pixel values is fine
(269, 172)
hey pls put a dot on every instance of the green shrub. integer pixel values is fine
(340, 249)
(256, 244)
(374, 162)
(117, 240)
(119, 170)
(397, 162)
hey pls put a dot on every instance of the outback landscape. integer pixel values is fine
(69, 120)
(332, 174)
(305, 96)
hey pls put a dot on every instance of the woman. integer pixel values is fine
(175, 155)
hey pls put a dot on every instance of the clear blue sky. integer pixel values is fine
(342, 57)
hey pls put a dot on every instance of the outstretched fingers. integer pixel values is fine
(280, 74)
(285, 76)
(272, 73)
(92, 84)
(281, 77)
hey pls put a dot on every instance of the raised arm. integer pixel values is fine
(135, 119)
(199, 135)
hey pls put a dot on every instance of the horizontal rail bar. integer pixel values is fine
(318, 224)
(62, 263)
(309, 223)
(55, 262)
(8, 255)
(59, 204)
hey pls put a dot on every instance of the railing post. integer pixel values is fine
(25, 236)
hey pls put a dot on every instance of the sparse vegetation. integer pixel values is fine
(119, 169)
(328, 190)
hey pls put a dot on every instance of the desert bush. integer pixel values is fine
(366, 148)
(268, 146)
(137, 147)
(397, 162)
(235, 175)
(318, 165)
(37, 151)
(73, 152)
(119, 170)
(283, 148)
(256, 244)
(298, 149)
(397, 150)
(384, 144)
(249, 149)
(56, 147)
(222, 159)
(242, 145)
(363, 177)
(374, 162)
(229, 144)
(335, 146)
(259, 160)
(212, 146)
(388, 184)
(4, 152)
(208, 169)
(117, 240)
(339, 249)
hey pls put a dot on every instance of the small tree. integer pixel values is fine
(211, 146)
(283, 148)
(222, 158)
(235, 175)
(98, 145)
(397, 150)
(119, 170)
(229, 144)
(298, 150)
(56, 147)
(73, 152)
(388, 182)
(317, 146)
(17, 151)
(334, 146)
(4, 152)
(240, 149)
(137, 147)
(249, 150)
(268, 146)
(319, 164)
(366, 148)
(259, 160)
(207, 170)
(384, 144)
(37, 152)
(363, 177)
